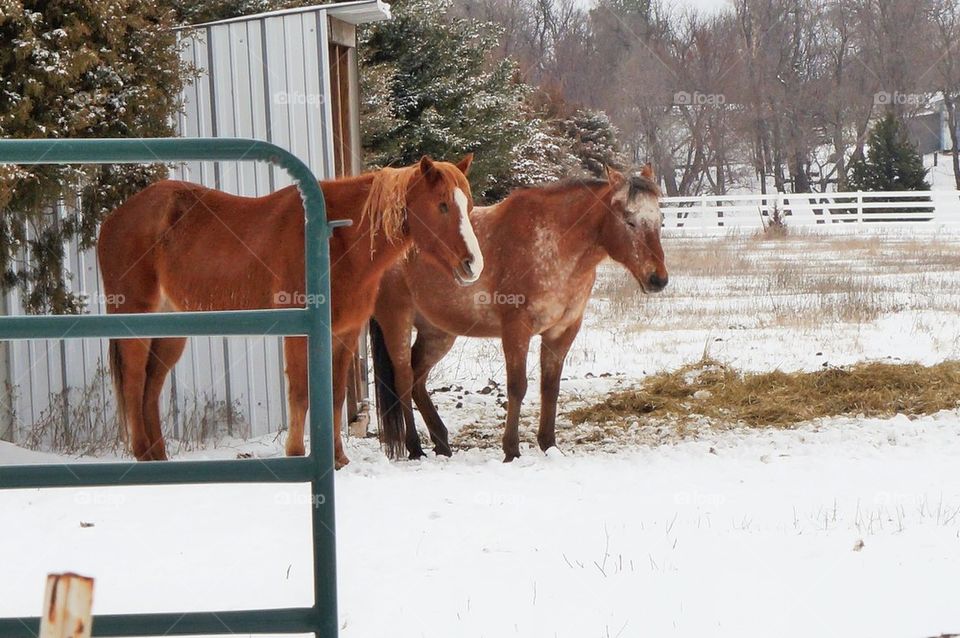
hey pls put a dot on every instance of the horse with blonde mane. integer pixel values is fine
(181, 246)
(542, 247)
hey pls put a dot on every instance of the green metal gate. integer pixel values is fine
(312, 322)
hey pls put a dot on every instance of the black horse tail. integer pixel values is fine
(389, 407)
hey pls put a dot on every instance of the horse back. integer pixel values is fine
(203, 249)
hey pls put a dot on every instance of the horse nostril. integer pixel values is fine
(656, 282)
(467, 265)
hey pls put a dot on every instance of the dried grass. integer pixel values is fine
(781, 399)
(802, 281)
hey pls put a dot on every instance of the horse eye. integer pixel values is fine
(444, 208)
(631, 224)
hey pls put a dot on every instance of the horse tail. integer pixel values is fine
(116, 373)
(389, 407)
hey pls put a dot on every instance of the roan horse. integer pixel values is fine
(181, 246)
(542, 248)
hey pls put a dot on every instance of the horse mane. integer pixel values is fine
(637, 184)
(640, 184)
(386, 203)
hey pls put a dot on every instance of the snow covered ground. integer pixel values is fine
(848, 529)
(844, 527)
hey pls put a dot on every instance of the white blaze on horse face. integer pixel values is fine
(469, 237)
(646, 209)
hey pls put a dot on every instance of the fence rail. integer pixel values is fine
(314, 323)
(751, 212)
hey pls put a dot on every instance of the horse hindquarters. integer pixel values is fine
(126, 257)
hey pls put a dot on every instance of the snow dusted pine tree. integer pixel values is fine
(76, 68)
(594, 141)
(431, 86)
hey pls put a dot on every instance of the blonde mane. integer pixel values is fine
(386, 205)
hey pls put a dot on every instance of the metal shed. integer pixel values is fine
(288, 77)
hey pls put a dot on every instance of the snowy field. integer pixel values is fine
(843, 527)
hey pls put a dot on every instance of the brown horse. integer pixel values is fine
(180, 246)
(542, 247)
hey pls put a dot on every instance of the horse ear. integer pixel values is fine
(614, 177)
(647, 171)
(464, 164)
(427, 169)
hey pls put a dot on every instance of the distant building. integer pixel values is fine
(929, 129)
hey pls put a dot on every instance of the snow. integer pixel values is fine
(842, 527)
(750, 533)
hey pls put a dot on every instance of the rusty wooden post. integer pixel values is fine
(67, 605)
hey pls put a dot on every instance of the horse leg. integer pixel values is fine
(295, 355)
(553, 353)
(430, 347)
(295, 359)
(516, 344)
(164, 354)
(344, 347)
(129, 367)
(395, 329)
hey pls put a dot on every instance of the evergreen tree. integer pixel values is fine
(892, 162)
(594, 141)
(76, 68)
(198, 11)
(429, 86)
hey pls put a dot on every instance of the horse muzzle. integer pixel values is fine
(654, 283)
(465, 273)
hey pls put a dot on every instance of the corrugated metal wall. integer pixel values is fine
(264, 78)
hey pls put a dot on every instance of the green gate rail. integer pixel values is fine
(313, 322)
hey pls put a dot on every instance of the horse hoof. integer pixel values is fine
(340, 461)
(510, 456)
(442, 451)
(545, 446)
(416, 455)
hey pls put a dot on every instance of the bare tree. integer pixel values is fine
(945, 20)
(778, 92)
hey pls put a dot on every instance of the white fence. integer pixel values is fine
(713, 213)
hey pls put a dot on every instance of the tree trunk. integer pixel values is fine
(839, 149)
(950, 101)
(778, 177)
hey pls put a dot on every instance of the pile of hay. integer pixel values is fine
(781, 399)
